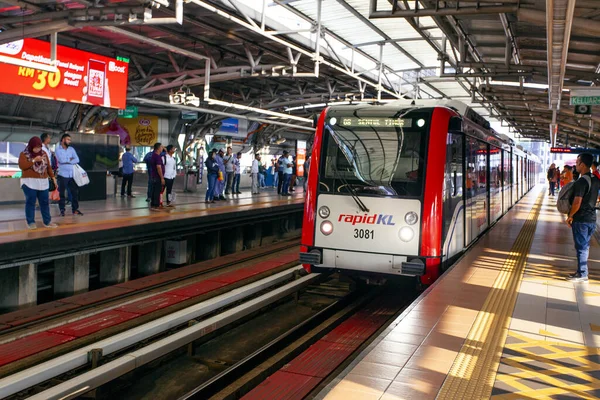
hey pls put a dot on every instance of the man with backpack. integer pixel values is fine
(582, 215)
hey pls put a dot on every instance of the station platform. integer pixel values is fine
(503, 323)
(119, 220)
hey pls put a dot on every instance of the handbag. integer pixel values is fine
(52, 186)
(80, 176)
(54, 195)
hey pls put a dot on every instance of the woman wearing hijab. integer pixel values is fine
(36, 168)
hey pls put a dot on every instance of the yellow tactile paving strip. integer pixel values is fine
(473, 372)
(542, 369)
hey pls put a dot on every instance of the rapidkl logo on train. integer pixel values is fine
(375, 219)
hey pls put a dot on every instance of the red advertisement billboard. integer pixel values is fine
(81, 77)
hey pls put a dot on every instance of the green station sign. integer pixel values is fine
(128, 112)
(585, 100)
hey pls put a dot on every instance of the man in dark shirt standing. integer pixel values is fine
(582, 217)
(157, 173)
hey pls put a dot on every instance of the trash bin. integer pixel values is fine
(191, 185)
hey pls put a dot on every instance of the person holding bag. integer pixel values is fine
(67, 159)
(36, 177)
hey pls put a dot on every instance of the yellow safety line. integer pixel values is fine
(474, 370)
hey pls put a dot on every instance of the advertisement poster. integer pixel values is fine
(140, 131)
(82, 77)
(300, 157)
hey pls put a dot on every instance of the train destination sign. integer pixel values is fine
(381, 122)
(80, 77)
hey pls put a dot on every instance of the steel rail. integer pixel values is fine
(79, 358)
(131, 361)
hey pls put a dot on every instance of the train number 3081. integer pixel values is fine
(364, 234)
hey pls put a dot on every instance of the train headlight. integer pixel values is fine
(411, 218)
(326, 228)
(324, 212)
(406, 234)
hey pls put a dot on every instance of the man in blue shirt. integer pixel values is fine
(286, 164)
(67, 158)
(128, 161)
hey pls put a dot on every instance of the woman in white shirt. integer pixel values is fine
(170, 173)
(254, 174)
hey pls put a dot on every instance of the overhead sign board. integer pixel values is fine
(128, 112)
(585, 100)
(81, 77)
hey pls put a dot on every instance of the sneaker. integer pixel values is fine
(207, 201)
(51, 225)
(68, 203)
(154, 209)
(238, 192)
(122, 195)
(62, 213)
(77, 212)
(31, 226)
(131, 196)
(148, 200)
(578, 278)
(227, 193)
(222, 198)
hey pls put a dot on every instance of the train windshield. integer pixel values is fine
(375, 152)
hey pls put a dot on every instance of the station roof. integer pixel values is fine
(514, 61)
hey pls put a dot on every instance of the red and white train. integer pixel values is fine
(405, 188)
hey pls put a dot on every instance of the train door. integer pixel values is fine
(454, 207)
(507, 176)
(495, 183)
(476, 188)
(515, 182)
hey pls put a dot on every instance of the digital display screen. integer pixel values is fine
(561, 150)
(80, 77)
(353, 122)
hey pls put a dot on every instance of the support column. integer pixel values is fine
(71, 275)
(208, 245)
(252, 236)
(18, 287)
(191, 249)
(150, 260)
(232, 241)
(115, 266)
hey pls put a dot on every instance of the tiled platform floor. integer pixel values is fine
(551, 349)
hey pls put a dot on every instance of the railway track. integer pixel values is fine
(86, 368)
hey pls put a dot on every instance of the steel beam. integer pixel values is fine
(440, 12)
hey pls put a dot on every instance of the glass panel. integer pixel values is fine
(374, 152)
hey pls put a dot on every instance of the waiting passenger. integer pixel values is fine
(220, 184)
(582, 217)
(287, 164)
(280, 168)
(294, 175)
(128, 161)
(157, 172)
(212, 171)
(551, 178)
(254, 173)
(229, 170)
(306, 169)
(67, 158)
(146, 160)
(170, 173)
(36, 169)
(595, 169)
(237, 170)
(566, 176)
(557, 177)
